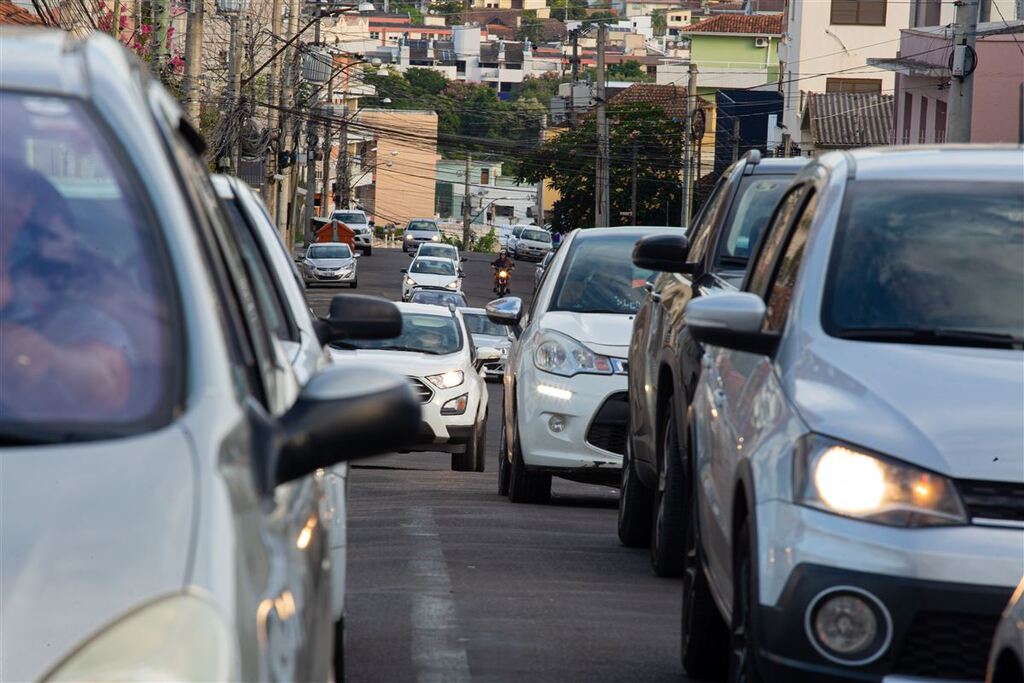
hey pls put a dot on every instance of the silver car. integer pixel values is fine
(330, 263)
(856, 443)
(160, 456)
(420, 231)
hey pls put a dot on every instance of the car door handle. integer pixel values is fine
(719, 397)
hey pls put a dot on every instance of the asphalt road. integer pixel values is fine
(449, 582)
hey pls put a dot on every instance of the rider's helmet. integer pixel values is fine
(503, 252)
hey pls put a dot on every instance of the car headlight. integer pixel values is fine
(454, 284)
(408, 236)
(179, 638)
(410, 282)
(562, 355)
(447, 380)
(435, 238)
(845, 480)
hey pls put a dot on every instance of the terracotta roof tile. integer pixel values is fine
(671, 98)
(12, 14)
(759, 24)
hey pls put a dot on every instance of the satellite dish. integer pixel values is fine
(366, 7)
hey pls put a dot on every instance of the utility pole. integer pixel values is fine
(234, 85)
(691, 103)
(163, 23)
(325, 192)
(307, 216)
(961, 92)
(467, 216)
(787, 144)
(601, 180)
(115, 23)
(273, 115)
(540, 186)
(194, 60)
(574, 40)
(288, 136)
(735, 138)
(632, 200)
(344, 170)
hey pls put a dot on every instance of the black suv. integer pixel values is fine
(664, 360)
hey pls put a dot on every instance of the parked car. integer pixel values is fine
(565, 403)
(663, 358)
(418, 231)
(856, 507)
(437, 297)
(330, 263)
(437, 355)
(530, 243)
(431, 272)
(488, 334)
(159, 452)
(440, 250)
(1006, 658)
(358, 223)
(504, 232)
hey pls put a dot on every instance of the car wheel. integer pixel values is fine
(355, 283)
(466, 462)
(368, 251)
(525, 486)
(339, 650)
(480, 465)
(635, 505)
(705, 638)
(743, 629)
(503, 465)
(667, 526)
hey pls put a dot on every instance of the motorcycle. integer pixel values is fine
(501, 278)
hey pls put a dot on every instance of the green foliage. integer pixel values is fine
(454, 241)
(426, 81)
(568, 162)
(529, 27)
(487, 243)
(451, 10)
(599, 16)
(577, 9)
(539, 88)
(628, 71)
(658, 22)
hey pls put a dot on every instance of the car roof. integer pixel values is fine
(44, 60)
(777, 166)
(642, 230)
(328, 244)
(441, 259)
(987, 163)
(430, 309)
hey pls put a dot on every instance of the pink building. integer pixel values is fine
(923, 76)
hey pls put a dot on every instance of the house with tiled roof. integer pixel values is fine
(732, 51)
(13, 14)
(844, 120)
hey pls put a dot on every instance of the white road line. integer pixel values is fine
(436, 651)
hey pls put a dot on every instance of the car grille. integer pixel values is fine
(608, 430)
(422, 391)
(946, 646)
(993, 499)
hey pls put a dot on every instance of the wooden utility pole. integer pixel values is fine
(574, 39)
(735, 138)
(540, 186)
(691, 103)
(467, 216)
(163, 22)
(325, 192)
(344, 166)
(602, 207)
(234, 86)
(961, 92)
(194, 61)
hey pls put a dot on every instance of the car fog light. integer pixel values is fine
(848, 626)
(456, 406)
(556, 423)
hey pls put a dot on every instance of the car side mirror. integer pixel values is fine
(732, 320)
(358, 254)
(356, 316)
(462, 273)
(505, 311)
(343, 413)
(665, 253)
(412, 255)
(405, 270)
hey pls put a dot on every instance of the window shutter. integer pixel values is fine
(844, 12)
(872, 12)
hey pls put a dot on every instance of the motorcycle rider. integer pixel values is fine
(503, 262)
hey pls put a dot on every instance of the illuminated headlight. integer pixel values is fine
(447, 380)
(454, 284)
(410, 282)
(179, 638)
(435, 238)
(408, 236)
(562, 355)
(456, 406)
(842, 479)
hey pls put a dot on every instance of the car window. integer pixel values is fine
(516, 232)
(329, 251)
(349, 217)
(87, 297)
(421, 333)
(781, 291)
(928, 260)
(424, 267)
(599, 277)
(437, 298)
(771, 241)
(423, 226)
(537, 236)
(440, 250)
(749, 214)
(478, 323)
(702, 225)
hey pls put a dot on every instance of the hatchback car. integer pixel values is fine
(420, 231)
(160, 446)
(530, 243)
(359, 224)
(330, 263)
(488, 334)
(858, 449)
(431, 272)
(440, 250)
(565, 380)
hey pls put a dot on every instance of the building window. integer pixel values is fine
(504, 211)
(853, 85)
(861, 12)
(922, 122)
(460, 66)
(926, 13)
(940, 121)
(485, 176)
(908, 111)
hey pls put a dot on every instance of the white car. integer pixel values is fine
(565, 379)
(431, 272)
(1006, 659)
(488, 334)
(436, 353)
(440, 250)
(359, 224)
(530, 242)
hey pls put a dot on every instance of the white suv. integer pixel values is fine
(359, 224)
(435, 351)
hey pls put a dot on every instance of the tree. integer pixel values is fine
(540, 88)
(426, 81)
(451, 10)
(631, 70)
(658, 22)
(530, 27)
(568, 162)
(577, 9)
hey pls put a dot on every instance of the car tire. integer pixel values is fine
(466, 461)
(339, 651)
(504, 467)
(669, 511)
(355, 283)
(525, 486)
(635, 505)
(368, 251)
(480, 464)
(704, 645)
(743, 667)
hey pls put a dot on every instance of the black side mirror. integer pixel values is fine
(405, 270)
(664, 253)
(462, 273)
(356, 316)
(412, 255)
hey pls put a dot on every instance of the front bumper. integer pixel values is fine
(446, 433)
(531, 253)
(321, 276)
(941, 625)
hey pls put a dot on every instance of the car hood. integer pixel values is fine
(605, 333)
(424, 280)
(402, 362)
(953, 410)
(423, 233)
(534, 244)
(331, 262)
(91, 531)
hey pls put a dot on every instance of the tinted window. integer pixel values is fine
(422, 226)
(928, 257)
(421, 333)
(781, 295)
(701, 229)
(349, 217)
(478, 323)
(437, 298)
(424, 267)
(86, 296)
(329, 251)
(600, 277)
(750, 212)
(439, 250)
(771, 242)
(537, 235)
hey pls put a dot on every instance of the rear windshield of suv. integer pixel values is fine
(536, 236)
(86, 293)
(749, 214)
(928, 263)
(432, 267)
(349, 217)
(422, 226)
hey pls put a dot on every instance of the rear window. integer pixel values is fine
(432, 267)
(349, 217)
(438, 250)
(437, 298)
(422, 226)
(329, 251)
(749, 214)
(86, 294)
(436, 335)
(537, 236)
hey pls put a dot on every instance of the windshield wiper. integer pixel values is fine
(938, 336)
(738, 261)
(409, 349)
(338, 344)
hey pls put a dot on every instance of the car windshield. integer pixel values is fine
(437, 298)
(432, 267)
(349, 217)
(478, 323)
(330, 251)
(599, 277)
(421, 333)
(537, 236)
(422, 226)
(439, 250)
(928, 262)
(750, 212)
(86, 300)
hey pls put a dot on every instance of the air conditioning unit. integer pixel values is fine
(760, 42)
